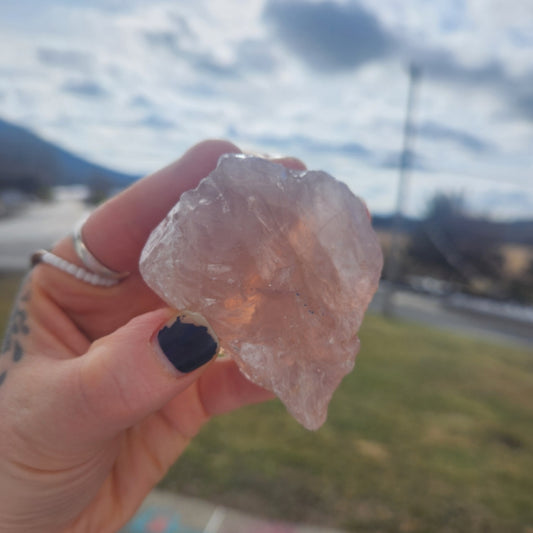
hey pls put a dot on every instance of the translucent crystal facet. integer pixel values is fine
(282, 264)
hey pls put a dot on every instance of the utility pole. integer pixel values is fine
(393, 263)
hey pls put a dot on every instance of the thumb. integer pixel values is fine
(137, 369)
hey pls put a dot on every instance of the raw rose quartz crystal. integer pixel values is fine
(282, 264)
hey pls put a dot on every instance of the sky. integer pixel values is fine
(132, 84)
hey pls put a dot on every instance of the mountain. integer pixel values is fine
(28, 162)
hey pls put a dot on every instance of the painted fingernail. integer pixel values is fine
(188, 342)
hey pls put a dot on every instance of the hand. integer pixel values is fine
(92, 413)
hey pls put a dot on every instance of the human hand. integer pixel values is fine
(92, 412)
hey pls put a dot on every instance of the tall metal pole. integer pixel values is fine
(393, 263)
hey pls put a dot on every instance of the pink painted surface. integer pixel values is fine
(158, 525)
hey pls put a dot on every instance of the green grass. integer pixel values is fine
(431, 432)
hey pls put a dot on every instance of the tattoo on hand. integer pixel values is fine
(17, 330)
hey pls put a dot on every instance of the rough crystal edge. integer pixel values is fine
(310, 425)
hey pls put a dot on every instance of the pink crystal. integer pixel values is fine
(282, 264)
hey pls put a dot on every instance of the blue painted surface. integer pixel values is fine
(156, 520)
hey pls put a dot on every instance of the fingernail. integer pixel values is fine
(188, 342)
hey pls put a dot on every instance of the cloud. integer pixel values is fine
(512, 204)
(249, 54)
(68, 59)
(173, 42)
(301, 144)
(329, 36)
(157, 122)
(181, 41)
(210, 64)
(440, 132)
(524, 105)
(255, 54)
(440, 64)
(167, 40)
(312, 145)
(523, 95)
(413, 161)
(140, 101)
(85, 89)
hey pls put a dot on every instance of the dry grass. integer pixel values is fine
(517, 259)
(9, 286)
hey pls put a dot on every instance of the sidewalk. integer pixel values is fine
(164, 512)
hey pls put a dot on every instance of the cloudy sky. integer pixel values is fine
(131, 84)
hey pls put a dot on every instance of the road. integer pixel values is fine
(433, 311)
(37, 226)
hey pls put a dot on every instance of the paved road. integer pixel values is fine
(37, 226)
(433, 311)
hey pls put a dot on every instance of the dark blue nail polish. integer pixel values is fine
(187, 346)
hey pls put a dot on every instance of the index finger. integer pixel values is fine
(116, 232)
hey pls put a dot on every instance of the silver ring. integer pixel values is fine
(88, 259)
(43, 256)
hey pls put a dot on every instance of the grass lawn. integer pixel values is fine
(431, 432)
